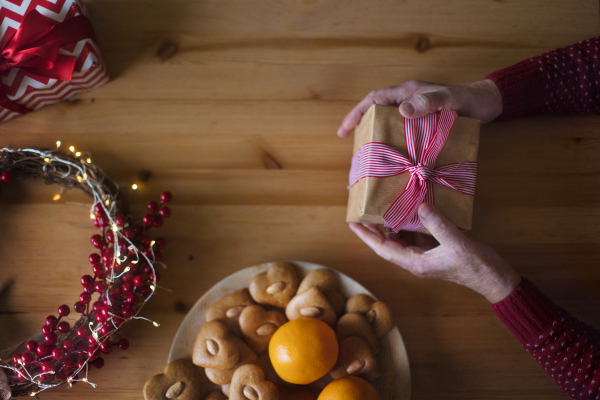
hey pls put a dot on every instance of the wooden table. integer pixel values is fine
(233, 106)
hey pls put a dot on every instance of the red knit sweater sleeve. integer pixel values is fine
(562, 81)
(566, 348)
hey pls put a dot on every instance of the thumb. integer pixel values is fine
(439, 226)
(429, 102)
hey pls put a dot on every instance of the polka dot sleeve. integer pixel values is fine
(566, 348)
(562, 81)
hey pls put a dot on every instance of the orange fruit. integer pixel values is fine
(303, 350)
(349, 388)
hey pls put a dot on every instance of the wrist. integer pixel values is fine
(486, 100)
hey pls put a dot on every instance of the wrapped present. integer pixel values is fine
(48, 53)
(400, 163)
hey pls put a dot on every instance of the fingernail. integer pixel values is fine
(407, 108)
(425, 210)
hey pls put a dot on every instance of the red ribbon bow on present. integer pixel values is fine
(425, 138)
(34, 47)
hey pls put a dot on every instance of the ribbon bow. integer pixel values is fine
(34, 47)
(425, 138)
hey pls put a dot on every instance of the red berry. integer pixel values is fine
(107, 259)
(132, 299)
(148, 219)
(6, 177)
(98, 363)
(46, 329)
(107, 311)
(158, 256)
(87, 280)
(127, 277)
(17, 359)
(26, 358)
(63, 327)
(82, 332)
(106, 347)
(145, 291)
(51, 320)
(127, 311)
(110, 236)
(165, 212)
(47, 366)
(79, 306)
(146, 241)
(158, 221)
(97, 306)
(100, 318)
(98, 208)
(123, 344)
(96, 222)
(139, 280)
(88, 289)
(152, 206)
(120, 220)
(100, 271)
(148, 252)
(43, 350)
(21, 376)
(97, 241)
(81, 363)
(68, 346)
(45, 377)
(116, 291)
(103, 220)
(64, 310)
(94, 258)
(31, 345)
(58, 353)
(106, 329)
(67, 363)
(147, 269)
(85, 298)
(100, 287)
(138, 229)
(91, 341)
(93, 354)
(123, 247)
(127, 287)
(50, 338)
(160, 243)
(166, 197)
(129, 233)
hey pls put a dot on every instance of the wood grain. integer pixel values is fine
(233, 105)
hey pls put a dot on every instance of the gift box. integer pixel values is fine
(398, 164)
(48, 53)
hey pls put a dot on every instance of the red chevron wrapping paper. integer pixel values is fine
(25, 88)
(400, 163)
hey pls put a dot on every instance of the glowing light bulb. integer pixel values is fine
(134, 186)
(56, 197)
(47, 160)
(72, 148)
(58, 144)
(89, 160)
(78, 154)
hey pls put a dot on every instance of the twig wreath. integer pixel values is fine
(123, 275)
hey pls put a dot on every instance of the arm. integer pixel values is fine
(567, 349)
(561, 81)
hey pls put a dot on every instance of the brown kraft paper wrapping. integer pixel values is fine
(370, 198)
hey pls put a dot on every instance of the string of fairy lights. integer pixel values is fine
(64, 169)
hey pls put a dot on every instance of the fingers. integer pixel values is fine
(422, 104)
(439, 226)
(405, 257)
(392, 95)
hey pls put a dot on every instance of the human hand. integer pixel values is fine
(480, 100)
(456, 259)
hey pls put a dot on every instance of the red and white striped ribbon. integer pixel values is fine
(425, 138)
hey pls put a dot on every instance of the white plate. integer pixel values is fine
(394, 383)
